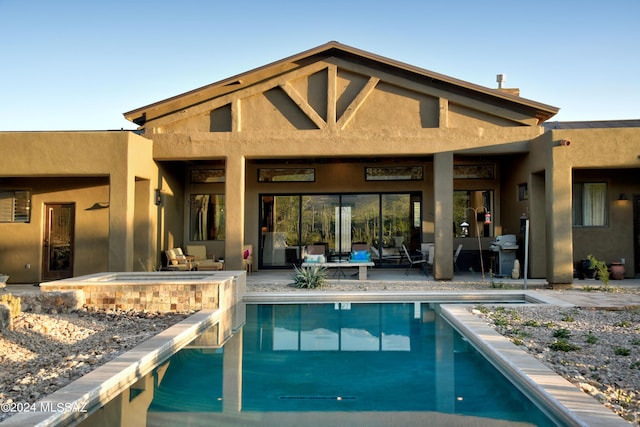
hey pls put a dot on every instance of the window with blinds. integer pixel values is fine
(15, 206)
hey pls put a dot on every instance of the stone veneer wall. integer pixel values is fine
(151, 297)
(157, 297)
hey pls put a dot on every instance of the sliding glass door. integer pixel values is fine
(384, 222)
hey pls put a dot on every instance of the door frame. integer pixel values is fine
(47, 273)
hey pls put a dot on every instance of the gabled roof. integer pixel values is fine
(493, 96)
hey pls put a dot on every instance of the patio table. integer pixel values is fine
(362, 266)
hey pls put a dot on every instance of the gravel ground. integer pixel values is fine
(44, 352)
(596, 350)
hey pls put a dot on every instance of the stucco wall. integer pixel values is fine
(114, 169)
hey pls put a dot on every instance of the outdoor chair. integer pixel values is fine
(200, 259)
(455, 257)
(177, 260)
(416, 259)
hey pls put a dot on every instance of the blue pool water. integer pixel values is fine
(360, 361)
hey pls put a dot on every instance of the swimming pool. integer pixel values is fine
(354, 364)
(216, 389)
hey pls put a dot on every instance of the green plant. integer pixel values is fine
(532, 323)
(562, 333)
(482, 309)
(590, 338)
(621, 351)
(500, 321)
(635, 342)
(623, 324)
(563, 345)
(309, 277)
(568, 317)
(601, 269)
(635, 365)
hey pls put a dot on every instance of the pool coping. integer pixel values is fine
(570, 405)
(88, 393)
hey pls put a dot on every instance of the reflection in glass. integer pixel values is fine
(280, 230)
(206, 217)
(464, 202)
(291, 222)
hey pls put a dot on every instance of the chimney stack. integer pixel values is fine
(501, 78)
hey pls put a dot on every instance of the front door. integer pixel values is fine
(57, 253)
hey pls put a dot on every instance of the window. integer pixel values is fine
(399, 173)
(471, 207)
(15, 206)
(286, 175)
(590, 204)
(207, 217)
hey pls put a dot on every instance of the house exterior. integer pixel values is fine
(333, 145)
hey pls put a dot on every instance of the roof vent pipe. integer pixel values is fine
(501, 78)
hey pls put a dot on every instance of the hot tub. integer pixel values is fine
(155, 291)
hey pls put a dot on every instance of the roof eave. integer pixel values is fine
(543, 111)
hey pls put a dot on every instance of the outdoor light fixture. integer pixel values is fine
(465, 228)
(623, 197)
(97, 206)
(159, 198)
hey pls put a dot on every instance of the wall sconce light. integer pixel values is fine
(623, 197)
(159, 198)
(97, 206)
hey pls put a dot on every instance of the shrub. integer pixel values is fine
(621, 351)
(591, 339)
(601, 269)
(563, 345)
(309, 277)
(562, 333)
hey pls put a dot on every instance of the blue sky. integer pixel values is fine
(78, 65)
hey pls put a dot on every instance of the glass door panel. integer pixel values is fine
(319, 219)
(396, 224)
(364, 223)
(280, 230)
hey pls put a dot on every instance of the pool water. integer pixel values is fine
(357, 360)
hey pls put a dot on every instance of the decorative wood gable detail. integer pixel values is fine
(329, 95)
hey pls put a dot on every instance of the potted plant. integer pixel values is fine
(602, 271)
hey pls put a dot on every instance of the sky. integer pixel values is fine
(79, 65)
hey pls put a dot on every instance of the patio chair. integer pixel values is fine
(386, 255)
(200, 259)
(177, 260)
(455, 257)
(416, 259)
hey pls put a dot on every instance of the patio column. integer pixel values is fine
(559, 225)
(443, 215)
(234, 207)
(121, 219)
